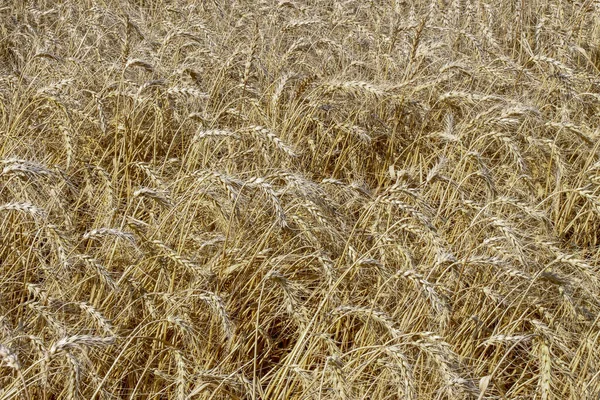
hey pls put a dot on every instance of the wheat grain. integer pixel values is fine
(9, 358)
(26, 208)
(72, 342)
(263, 132)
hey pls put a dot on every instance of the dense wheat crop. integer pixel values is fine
(303, 199)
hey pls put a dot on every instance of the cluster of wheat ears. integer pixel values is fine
(299, 199)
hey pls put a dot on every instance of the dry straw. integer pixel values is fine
(299, 200)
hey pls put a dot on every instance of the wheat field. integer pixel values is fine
(299, 199)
